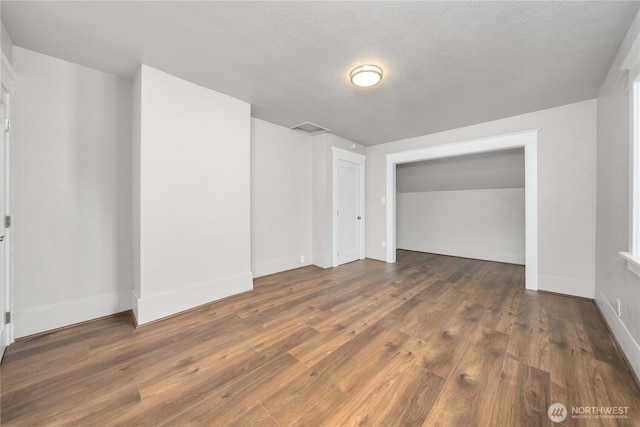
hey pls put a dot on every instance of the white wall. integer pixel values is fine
(482, 224)
(6, 43)
(322, 185)
(613, 280)
(566, 190)
(195, 243)
(496, 169)
(281, 221)
(470, 206)
(71, 165)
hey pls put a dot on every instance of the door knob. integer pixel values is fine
(359, 218)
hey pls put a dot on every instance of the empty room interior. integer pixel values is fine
(320, 213)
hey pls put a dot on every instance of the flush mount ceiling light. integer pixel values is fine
(366, 75)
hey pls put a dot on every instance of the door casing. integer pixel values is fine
(7, 79)
(340, 154)
(527, 139)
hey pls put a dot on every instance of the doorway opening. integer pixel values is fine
(526, 139)
(464, 206)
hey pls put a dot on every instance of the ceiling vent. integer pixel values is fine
(312, 128)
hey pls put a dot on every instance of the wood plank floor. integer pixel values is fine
(428, 341)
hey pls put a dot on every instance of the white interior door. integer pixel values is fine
(4, 172)
(348, 212)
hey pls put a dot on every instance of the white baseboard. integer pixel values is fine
(629, 346)
(567, 286)
(277, 265)
(134, 305)
(41, 319)
(322, 261)
(510, 258)
(155, 307)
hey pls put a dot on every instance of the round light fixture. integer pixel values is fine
(366, 75)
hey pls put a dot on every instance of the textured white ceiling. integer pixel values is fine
(447, 64)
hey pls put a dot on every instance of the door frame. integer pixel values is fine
(340, 154)
(7, 81)
(527, 139)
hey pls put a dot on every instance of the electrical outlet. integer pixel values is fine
(383, 244)
(618, 308)
(302, 258)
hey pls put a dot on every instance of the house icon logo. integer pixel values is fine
(557, 412)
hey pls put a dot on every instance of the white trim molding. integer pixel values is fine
(632, 256)
(340, 154)
(526, 139)
(41, 319)
(265, 268)
(629, 346)
(633, 263)
(156, 307)
(8, 80)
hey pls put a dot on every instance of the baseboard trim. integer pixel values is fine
(322, 261)
(566, 295)
(621, 336)
(135, 323)
(55, 316)
(505, 258)
(62, 328)
(566, 286)
(453, 256)
(266, 268)
(157, 307)
(266, 276)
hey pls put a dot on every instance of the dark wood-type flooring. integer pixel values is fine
(430, 340)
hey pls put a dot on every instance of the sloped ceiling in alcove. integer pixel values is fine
(500, 169)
